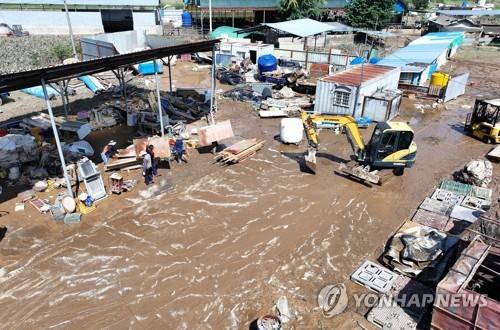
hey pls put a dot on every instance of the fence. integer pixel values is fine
(307, 57)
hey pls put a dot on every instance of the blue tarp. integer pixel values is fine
(88, 81)
(147, 68)
(357, 60)
(38, 92)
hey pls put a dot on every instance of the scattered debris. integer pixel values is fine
(374, 277)
(282, 309)
(494, 154)
(215, 133)
(92, 179)
(269, 322)
(417, 250)
(477, 172)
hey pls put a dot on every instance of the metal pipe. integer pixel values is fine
(159, 99)
(212, 91)
(56, 137)
(210, 14)
(170, 73)
(63, 95)
(70, 29)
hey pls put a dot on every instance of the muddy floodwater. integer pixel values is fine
(211, 248)
(207, 247)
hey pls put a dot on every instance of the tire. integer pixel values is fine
(399, 171)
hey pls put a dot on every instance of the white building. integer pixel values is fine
(344, 93)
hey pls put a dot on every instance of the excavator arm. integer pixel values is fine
(311, 123)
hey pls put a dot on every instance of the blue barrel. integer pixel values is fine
(267, 63)
(187, 19)
(374, 60)
(357, 60)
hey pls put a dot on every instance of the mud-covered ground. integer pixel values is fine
(207, 247)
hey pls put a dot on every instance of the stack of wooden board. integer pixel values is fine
(125, 159)
(239, 151)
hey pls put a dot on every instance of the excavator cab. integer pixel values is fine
(391, 146)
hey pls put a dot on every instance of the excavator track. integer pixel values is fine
(361, 172)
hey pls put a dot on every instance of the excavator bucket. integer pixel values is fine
(310, 159)
(361, 172)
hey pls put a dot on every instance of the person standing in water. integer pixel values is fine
(148, 167)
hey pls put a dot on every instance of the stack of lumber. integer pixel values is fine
(239, 151)
(125, 159)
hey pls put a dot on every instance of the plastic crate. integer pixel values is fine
(456, 187)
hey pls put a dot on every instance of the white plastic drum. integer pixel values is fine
(292, 130)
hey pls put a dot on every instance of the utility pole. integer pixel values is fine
(70, 29)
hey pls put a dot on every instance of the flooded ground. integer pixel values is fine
(211, 248)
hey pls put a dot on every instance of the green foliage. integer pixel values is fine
(294, 9)
(61, 51)
(370, 14)
(35, 60)
(420, 4)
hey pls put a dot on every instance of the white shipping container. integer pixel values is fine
(344, 92)
(242, 50)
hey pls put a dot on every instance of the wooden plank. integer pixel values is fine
(215, 133)
(120, 163)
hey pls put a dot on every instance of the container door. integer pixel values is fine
(396, 103)
(456, 87)
(375, 109)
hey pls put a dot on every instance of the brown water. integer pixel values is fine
(212, 248)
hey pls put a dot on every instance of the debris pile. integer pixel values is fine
(16, 149)
(477, 172)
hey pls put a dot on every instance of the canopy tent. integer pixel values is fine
(304, 27)
(231, 32)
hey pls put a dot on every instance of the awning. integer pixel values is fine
(303, 27)
(18, 80)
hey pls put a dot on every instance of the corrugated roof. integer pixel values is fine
(465, 12)
(303, 27)
(272, 4)
(152, 3)
(423, 51)
(359, 74)
(340, 27)
(24, 79)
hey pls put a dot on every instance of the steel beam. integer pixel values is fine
(56, 137)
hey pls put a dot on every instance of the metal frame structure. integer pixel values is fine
(19, 80)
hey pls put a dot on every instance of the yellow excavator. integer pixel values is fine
(391, 145)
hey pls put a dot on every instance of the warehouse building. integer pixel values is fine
(422, 57)
(87, 16)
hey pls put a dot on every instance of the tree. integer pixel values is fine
(369, 14)
(294, 9)
(420, 4)
(61, 51)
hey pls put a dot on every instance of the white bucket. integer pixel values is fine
(131, 119)
(292, 130)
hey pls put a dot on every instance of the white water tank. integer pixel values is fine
(292, 130)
